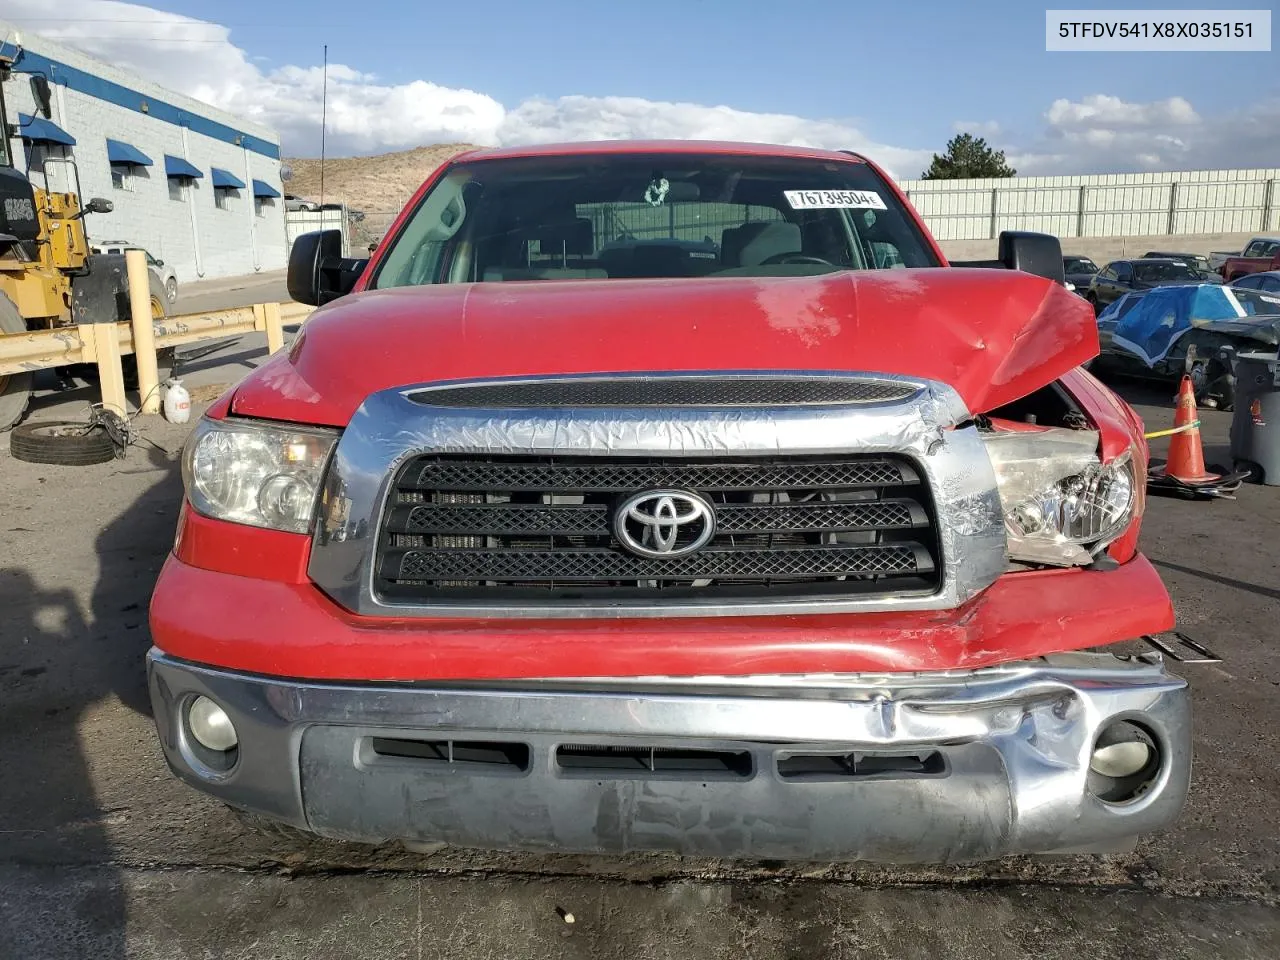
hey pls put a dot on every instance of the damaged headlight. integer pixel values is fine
(1062, 505)
(260, 474)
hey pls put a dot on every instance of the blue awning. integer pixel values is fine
(263, 189)
(40, 130)
(120, 152)
(177, 167)
(226, 179)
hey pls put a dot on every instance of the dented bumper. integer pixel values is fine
(923, 767)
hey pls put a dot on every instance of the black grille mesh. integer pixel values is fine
(473, 528)
(669, 391)
(577, 476)
(721, 564)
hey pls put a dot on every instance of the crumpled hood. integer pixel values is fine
(992, 335)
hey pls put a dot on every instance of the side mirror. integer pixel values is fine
(41, 96)
(1036, 253)
(318, 272)
(99, 205)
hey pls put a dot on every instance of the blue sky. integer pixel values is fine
(898, 78)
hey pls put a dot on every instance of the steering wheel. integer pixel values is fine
(794, 256)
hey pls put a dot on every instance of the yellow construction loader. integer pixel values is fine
(48, 276)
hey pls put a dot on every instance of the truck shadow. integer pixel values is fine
(73, 701)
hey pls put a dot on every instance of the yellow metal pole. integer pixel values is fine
(106, 347)
(144, 342)
(275, 329)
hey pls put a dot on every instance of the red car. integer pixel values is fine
(1261, 256)
(673, 496)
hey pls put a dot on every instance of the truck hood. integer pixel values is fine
(992, 335)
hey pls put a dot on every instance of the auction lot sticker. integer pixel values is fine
(833, 200)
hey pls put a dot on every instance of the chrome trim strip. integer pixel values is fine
(931, 427)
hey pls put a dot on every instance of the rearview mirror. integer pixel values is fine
(41, 95)
(318, 272)
(1039, 254)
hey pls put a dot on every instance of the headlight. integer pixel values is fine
(264, 475)
(1061, 504)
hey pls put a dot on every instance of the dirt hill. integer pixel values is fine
(379, 185)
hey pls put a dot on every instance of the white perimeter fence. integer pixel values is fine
(1110, 205)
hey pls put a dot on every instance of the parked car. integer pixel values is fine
(168, 276)
(1261, 256)
(1196, 261)
(293, 204)
(1079, 271)
(745, 548)
(1253, 248)
(1268, 282)
(1123, 276)
(1196, 330)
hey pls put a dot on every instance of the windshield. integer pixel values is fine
(1193, 260)
(1156, 271)
(1079, 265)
(657, 215)
(1256, 303)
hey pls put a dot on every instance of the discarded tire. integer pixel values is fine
(61, 442)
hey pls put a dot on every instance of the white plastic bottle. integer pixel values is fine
(177, 402)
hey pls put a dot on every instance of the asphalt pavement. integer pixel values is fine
(104, 854)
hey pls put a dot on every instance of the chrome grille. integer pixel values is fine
(488, 528)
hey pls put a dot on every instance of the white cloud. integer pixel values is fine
(625, 118)
(1102, 134)
(1098, 133)
(1101, 111)
(365, 115)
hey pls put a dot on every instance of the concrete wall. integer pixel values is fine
(1192, 203)
(190, 232)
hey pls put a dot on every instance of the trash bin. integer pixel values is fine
(1255, 425)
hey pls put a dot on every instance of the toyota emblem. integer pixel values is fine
(664, 523)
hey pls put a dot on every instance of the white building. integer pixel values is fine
(196, 187)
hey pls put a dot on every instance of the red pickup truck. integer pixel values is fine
(1261, 255)
(625, 500)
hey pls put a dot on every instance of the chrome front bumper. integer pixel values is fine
(1007, 753)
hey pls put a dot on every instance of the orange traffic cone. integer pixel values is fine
(1186, 454)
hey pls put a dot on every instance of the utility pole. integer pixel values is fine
(324, 104)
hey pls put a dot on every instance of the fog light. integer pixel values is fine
(211, 726)
(1125, 762)
(1120, 759)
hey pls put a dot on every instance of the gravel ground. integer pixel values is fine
(104, 854)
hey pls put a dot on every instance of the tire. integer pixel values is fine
(62, 443)
(1213, 384)
(1253, 472)
(15, 389)
(164, 357)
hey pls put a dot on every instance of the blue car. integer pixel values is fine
(1195, 329)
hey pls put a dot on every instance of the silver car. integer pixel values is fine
(167, 275)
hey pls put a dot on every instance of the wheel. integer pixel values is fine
(171, 289)
(1253, 471)
(164, 357)
(15, 388)
(60, 442)
(1213, 384)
